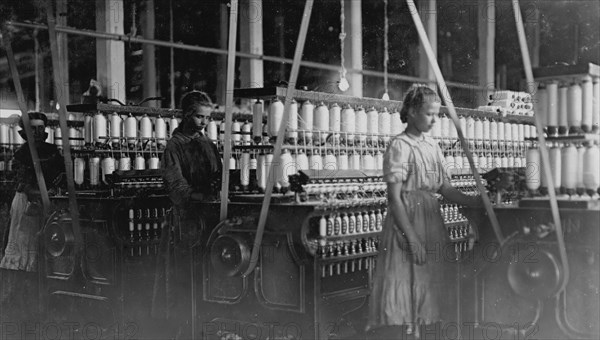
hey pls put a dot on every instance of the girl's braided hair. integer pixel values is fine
(414, 98)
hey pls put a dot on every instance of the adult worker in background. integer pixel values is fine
(192, 167)
(20, 259)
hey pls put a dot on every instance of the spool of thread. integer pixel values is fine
(373, 125)
(321, 123)
(478, 129)
(596, 105)
(288, 168)
(482, 162)
(73, 136)
(292, 125)
(569, 168)
(330, 161)
(247, 133)
(335, 122)
(591, 175)
(236, 128)
(587, 89)
(511, 161)
(261, 172)
(515, 132)
(222, 131)
(469, 128)
(4, 134)
(131, 129)
(153, 162)
(173, 124)
(316, 161)
(254, 163)
(580, 156)
(368, 162)
(563, 107)
(245, 169)
(540, 106)
(232, 163)
(78, 170)
(379, 160)
(533, 131)
(160, 131)
(533, 169)
(348, 123)
(385, 125)
(501, 131)
(94, 170)
(354, 161)
(58, 136)
(361, 125)
(88, 129)
(100, 131)
(556, 166)
(453, 133)
(396, 123)
(342, 161)
(108, 167)
(302, 161)
(520, 132)
(508, 136)
(48, 130)
(306, 121)
(116, 125)
(486, 129)
(445, 126)
(575, 97)
(526, 131)
(552, 88)
(494, 130)
(212, 130)
(124, 163)
(140, 162)
(257, 120)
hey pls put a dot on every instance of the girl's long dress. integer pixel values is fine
(404, 293)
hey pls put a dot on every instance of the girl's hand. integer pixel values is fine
(417, 251)
(414, 247)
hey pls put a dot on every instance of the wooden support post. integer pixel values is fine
(486, 20)
(149, 54)
(428, 13)
(353, 49)
(110, 54)
(251, 41)
(63, 46)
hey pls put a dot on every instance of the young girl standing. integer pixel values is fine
(411, 284)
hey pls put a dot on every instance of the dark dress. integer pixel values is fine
(190, 163)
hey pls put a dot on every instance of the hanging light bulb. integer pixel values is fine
(386, 55)
(343, 84)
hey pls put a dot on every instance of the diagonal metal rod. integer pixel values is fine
(25, 117)
(60, 88)
(233, 18)
(262, 220)
(542, 142)
(452, 111)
